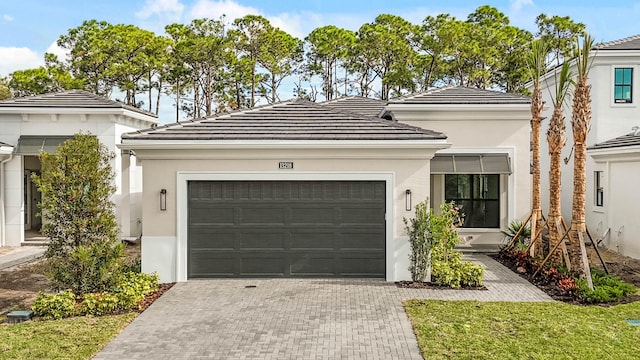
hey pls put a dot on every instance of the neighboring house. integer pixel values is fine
(617, 171)
(614, 72)
(304, 189)
(31, 124)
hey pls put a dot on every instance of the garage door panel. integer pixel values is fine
(261, 239)
(364, 239)
(318, 240)
(274, 216)
(290, 228)
(362, 264)
(353, 215)
(318, 215)
(212, 238)
(265, 264)
(201, 215)
(312, 265)
(206, 263)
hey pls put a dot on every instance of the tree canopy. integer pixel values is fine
(213, 65)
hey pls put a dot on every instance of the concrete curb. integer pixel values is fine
(21, 256)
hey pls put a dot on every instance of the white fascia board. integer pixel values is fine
(627, 153)
(6, 150)
(149, 119)
(130, 144)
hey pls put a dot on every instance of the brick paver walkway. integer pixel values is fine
(293, 318)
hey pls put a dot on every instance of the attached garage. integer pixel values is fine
(286, 229)
(293, 189)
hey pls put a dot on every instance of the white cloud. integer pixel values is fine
(61, 53)
(163, 8)
(7, 17)
(14, 58)
(215, 9)
(516, 5)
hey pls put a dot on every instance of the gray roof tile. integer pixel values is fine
(460, 96)
(357, 104)
(289, 120)
(621, 141)
(628, 43)
(68, 99)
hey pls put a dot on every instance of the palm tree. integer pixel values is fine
(537, 67)
(557, 140)
(581, 117)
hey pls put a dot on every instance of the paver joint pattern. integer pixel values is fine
(294, 318)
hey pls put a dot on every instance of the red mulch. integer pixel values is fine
(150, 298)
(547, 283)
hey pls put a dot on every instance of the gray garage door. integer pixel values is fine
(286, 229)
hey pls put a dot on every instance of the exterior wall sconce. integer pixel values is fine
(407, 200)
(163, 200)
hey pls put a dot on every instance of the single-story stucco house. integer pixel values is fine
(304, 189)
(31, 124)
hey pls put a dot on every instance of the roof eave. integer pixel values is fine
(135, 144)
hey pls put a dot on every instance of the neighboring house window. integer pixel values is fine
(623, 85)
(478, 196)
(599, 195)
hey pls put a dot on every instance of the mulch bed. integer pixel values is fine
(150, 298)
(430, 285)
(551, 288)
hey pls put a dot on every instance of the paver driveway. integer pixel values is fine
(293, 318)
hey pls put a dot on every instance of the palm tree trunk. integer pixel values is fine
(536, 204)
(556, 140)
(580, 125)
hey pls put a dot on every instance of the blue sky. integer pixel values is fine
(29, 28)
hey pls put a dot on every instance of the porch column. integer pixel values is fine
(125, 198)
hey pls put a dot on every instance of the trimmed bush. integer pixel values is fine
(55, 306)
(456, 273)
(132, 289)
(607, 288)
(99, 304)
(89, 268)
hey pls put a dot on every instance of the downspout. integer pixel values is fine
(3, 230)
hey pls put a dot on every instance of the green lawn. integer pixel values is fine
(73, 338)
(500, 330)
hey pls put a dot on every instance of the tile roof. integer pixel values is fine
(289, 120)
(622, 141)
(357, 104)
(628, 43)
(69, 99)
(460, 96)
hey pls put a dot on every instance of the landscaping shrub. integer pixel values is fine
(89, 268)
(133, 287)
(456, 273)
(421, 242)
(98, 304)
(525, 235)
(134, 265)
(607, 288)
(76, 183)
(433, 238)
(55, 306)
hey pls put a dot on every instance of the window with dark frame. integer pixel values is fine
(623, 85)
(599, 195)
(478, 196)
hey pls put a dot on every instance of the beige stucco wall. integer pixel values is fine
(482, 129)
(404, 169)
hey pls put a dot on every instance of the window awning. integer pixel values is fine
(32, 145)
(471, 164)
